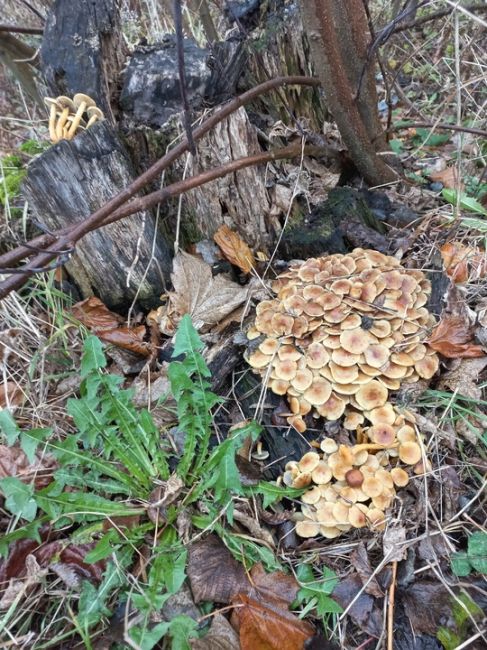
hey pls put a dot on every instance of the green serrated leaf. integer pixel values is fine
(466, 202)
(93, 357)
(477, 551)
(9, 427)
(460, 564)
(19, 497)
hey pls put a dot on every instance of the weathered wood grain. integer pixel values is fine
(74, 178)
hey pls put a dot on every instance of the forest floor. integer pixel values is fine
(145, 502)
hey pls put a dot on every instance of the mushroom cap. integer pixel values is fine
(301, 480)
(410, 453)
(382, 414)
(352, 420)
(307, 528)
(328, 445)
(309, 461)
(279, 386)
(258, 359)
(66, 102)
(356, 517)
(51, 101)
(382, 434)
(333, 408)
(399, 476)
(355, 341)
(427, 366)
(285, 370)
(269, 346)
(376, 519)
(318, 393)
(330, 532)
(80, 98)
(371, 395)
(372, 486)
(311, 496)
(95, 111)
(321, 474)
(354, 478)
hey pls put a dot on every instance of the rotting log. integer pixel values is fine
(83, 50)
(73, 179)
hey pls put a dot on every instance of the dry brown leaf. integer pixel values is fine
(221, 636)
(107, 325)
(10, 395)
(448, 177)
(453, 338)
(234, 248)
(266, 626)
(207, 299)
(14, 462)
(463, 263)
(463, 378)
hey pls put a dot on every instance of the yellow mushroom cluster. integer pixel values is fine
(343, 331)
(352, 486)
(66, 115)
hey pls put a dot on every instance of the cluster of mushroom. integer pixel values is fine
(66, 115)
(352, 487)
(342, 331)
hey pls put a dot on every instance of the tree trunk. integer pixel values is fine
(69, 181)
(15, 55)
(337, 31)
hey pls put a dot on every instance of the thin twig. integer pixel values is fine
(178, 27)
(390, 610)
(98, 217)
(21, 30)
(434, 16)
(440, 125)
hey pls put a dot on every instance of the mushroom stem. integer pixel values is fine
(76, 120)
(63, 118)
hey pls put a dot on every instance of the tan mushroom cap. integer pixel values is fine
(355, 341)
(258, 359)
(376, 355)
(302, 380)
(297, 422)
(307, 528)
(311, 496)
(352, 420)
(356, 517)
(376, 519)
(333, 408)
(301, 480)
(328, 445)
(382, 414)
(427, 366)
(382, 434)
(285, 370)
(410, 453)
(330, 532)
(371, 395)
(322, 474)
(343, 358)
(399, 476)
(343, 374)
(269, 346)
(279, 386)
(318, 393)
(372, 486)
(309, 461)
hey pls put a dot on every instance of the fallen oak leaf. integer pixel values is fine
(96, 316)
(448, 177)
(453, 338)
(14, 462)
(234, 248)
(11, 395)
(267, 626)
(207, 299)
(463, 263)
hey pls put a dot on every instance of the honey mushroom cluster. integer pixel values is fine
(66, 115)
(341, 333)
(352, 487)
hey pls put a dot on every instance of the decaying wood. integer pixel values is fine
(83, 49)
(73, 179)
(19, 58)
(280, 47)
(240, 200)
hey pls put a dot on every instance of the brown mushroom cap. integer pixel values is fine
(372, 395)
(354, 478)
(356, 517)
(318, 393)
(382, 434)
(410, 453)
(399, 476)
(309, 461)
(355, 341)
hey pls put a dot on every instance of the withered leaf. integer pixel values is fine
(449, 178)
(463, 263)
(205, 298)
(221, 636)
(234, 248)
(265, 625)
(10, 395)
(360, 561)
(453, 338)
(364, 611)
(108, 326)
(214, 575)
(428, 606)
(14, 462)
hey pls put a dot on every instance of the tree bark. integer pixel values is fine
(336, 30)
(14, 54)
(71, 180)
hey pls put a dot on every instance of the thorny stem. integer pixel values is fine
(100, 215)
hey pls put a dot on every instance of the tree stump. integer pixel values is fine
(120, 262)
(83, 50)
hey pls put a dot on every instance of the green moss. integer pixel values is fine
(13, 169)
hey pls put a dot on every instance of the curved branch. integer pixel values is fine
(100, 216)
